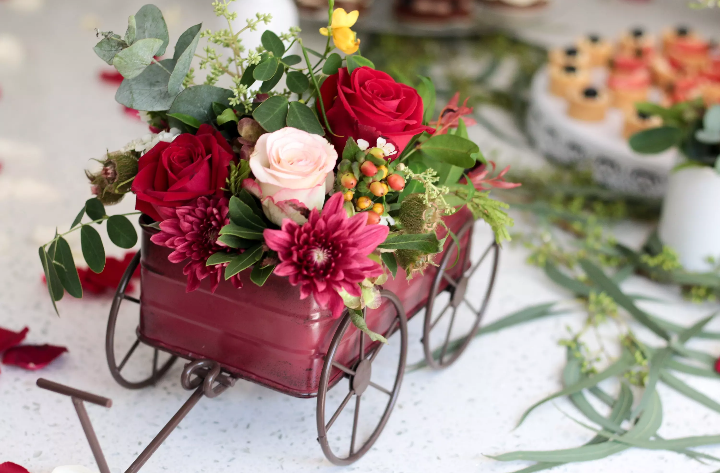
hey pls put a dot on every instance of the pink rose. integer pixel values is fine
(291, 164)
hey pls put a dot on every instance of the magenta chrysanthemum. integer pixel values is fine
(328, 253)
(193, 234)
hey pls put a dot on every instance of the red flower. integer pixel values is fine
(9, 339)
(451, 114)
(369, 104)
(9, 467)
(328, 253)
(193, 234)
(32, 357)
(174, 174)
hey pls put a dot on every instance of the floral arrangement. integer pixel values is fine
(335, 182)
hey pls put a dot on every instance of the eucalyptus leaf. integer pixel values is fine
(92, 248)
(197, 102)
(297, 82)
(108, 48)
(131, 31)
(121, 231)
(66, 270)
(272, 113)
(149, 23)
(244, 261)
(131, 61)
(450, 149)
(183, 56)
(148, 91)
(300, 116)
(687, 391)
(332, 64)
(95, 209)
(573, 285)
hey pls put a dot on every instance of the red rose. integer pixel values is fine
(368, 104)
(173, 174)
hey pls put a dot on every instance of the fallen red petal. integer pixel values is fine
(717, 365)
(111, 77)
(9, 339)
(9, 467)
(131, 113)
(109, 279)
(32, 357)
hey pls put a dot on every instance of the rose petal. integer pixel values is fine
(9, 467)
(9, 339)
(32, 357)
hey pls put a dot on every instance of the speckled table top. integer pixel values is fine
(55, 115)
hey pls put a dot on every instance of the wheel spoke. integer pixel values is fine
(380, 388)
(355, 424)
(129, 354)
(343, 368)
(482, 258)
(339, 410)
(380, 345)
(447, 338)
(449, 279)
(477, 311)
(131, 299)
(432, 326)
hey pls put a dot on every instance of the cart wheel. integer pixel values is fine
(457, 287)
(359, 375)
(115, 369)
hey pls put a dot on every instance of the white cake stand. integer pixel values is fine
(599, 145)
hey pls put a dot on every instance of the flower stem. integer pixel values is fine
(86, 224)
(317, 87)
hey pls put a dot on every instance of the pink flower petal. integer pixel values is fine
(9, 339)
(32, 357)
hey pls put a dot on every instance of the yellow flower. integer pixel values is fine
(344, 38)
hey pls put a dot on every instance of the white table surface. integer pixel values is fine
(55, 115)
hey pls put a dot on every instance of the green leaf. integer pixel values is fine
(657, 363)
(708, 137)
(78, 219)
(261, 274)
(711, 120)
(150, 23)
(248, 77)
(357, 318)
(676, 365)
(620, 366)
(390, 262)
(272, 113)
(267, 86)
(689, 392)
(450, 149)
(273, 43)
(291, 60)
(297, 82)
(351, 149)
(241, 232)
(219, 108)
(92, 248)
(332, 64)
(227, 116)
(244, 261)
(243, 215)
(266, 69)
(53, 283)
(131, 61)
(250, 200)
(423, 242)
(183, 56)
(197, 102)
(426, 89)
(219, 258)
(356, 61)
(108, 48)
(235, 242)
(66, 270)
(302, 117)
(461, 130)
(655, 140)
(187, 119)
(611, 289)
(573, 285)
(522, 316)
(313, 52)
(95, 209)
(149, 90)
(131, 32)
(121, 231)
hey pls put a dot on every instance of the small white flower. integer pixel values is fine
(363, 145)
(145, 143)
(388, 148)
(387, 220)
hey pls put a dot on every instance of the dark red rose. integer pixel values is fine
(368, 104)
(173, 174)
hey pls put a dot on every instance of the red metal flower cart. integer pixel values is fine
(271, 337)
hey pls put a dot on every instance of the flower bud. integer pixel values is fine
(378, 208)
(396, 182)
(363, 203)
(369, 169)
(373, 218)
(348, 181)
(378, 189)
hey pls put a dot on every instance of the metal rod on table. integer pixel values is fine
(90, 434)
(72, 392)
(166, 431)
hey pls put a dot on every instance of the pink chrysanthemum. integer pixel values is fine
(328, 253)
(193, 234)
